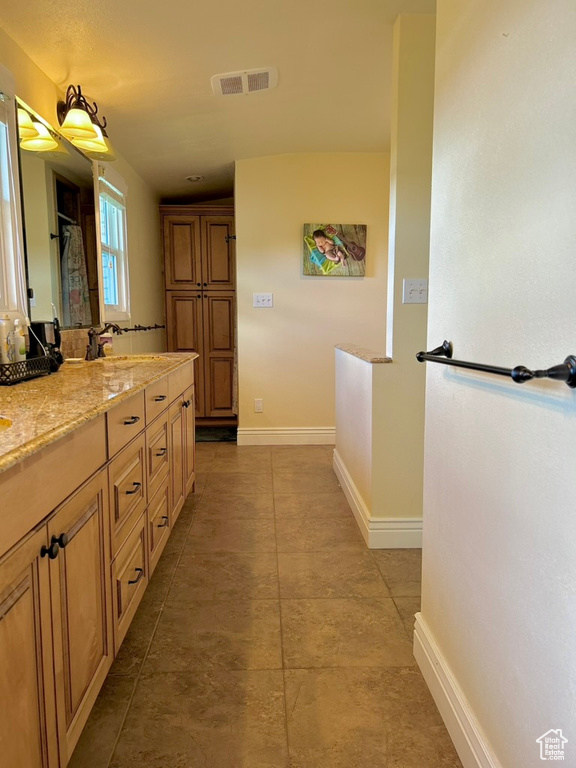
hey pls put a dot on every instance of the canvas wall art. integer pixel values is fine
(334, 250)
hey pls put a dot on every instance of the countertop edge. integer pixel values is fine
(31, 447)
(363, 353)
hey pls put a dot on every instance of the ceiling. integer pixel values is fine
(148, 65)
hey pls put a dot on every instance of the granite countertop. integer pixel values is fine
(44, 409)
(364, 354)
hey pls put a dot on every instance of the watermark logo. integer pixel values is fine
(552, 745)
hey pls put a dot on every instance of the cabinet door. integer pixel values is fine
(177, 458)
(189, 440)
(185, 334)
(182, 251)
(158, 516)
(81, 606)
(130, 578)
(28, 722)
(218, 253)
(219, 334)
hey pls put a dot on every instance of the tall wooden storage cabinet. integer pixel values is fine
(200, 275)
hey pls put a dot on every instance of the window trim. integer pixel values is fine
(110, 184)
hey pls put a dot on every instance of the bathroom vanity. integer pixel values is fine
(93, 474)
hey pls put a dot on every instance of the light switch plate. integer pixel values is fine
(415, 291)
(262, 299)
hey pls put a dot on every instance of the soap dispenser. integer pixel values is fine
(19, 341)
(6, 349)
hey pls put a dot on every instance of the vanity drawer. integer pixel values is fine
(157, 454)
(180, 380)
(127, 488)
(124, 422)
(158, 523)
(129, 580)
(156, 396)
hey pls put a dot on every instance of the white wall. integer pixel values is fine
(286, 354)
(499, 565)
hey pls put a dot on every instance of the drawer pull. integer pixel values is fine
(136, 488)
(187, 403)
(51, 551)
(140, 572)
(131, 420)
(61, 540)
(165, 523)
(160, 398)
(162, 452)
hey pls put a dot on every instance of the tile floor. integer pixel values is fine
(270, 636)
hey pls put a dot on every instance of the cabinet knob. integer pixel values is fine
(135, 489)
(205, 284)
(187, 403)
(131, 420)
(162, 452)
(140, 572)
(61, 540)
(51, 551)
(199, 296)
(160, 398)
(198, 284)
(165, 523)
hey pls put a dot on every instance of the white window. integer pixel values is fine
(12, 283)
(113, 245)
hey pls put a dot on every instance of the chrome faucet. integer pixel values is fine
(93, 348)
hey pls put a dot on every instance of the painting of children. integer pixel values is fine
(334, 250)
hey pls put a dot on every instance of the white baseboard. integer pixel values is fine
(459, 719)
(378, 532)
(287, 436)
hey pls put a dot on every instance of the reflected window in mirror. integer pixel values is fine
(12, 281)
(113, 245)
(60, 227)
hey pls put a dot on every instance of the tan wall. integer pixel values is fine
(499, 526)
(286, 354)
(146, 279)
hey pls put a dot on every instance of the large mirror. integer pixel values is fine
(60, 235)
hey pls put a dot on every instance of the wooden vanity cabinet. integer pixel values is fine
(28, 736)
(75, 562)
(81, 606)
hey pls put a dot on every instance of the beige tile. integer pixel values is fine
(235, 535)
(238, 634)
(418, 747)
(329, 574)
(96, 744)
(225, 576)
(200, 481)
(206, 450)
(162, 577)
(317, 480)
(239, 482)
(225, 450)
(134, 648)
(408, 607)
(401, 569)
(301, 458)
(349, 632)
(318, 535)
(331, 504)
(340, 718)
(199, 720)
(231, 505)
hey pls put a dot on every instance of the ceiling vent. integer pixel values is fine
(244, 82)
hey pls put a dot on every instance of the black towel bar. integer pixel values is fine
(565, 371)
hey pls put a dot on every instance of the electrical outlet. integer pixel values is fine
(262, 300)
(258, 405)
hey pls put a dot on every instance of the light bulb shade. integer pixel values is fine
(42, 142)
(78, 125)
(26, 128)
(92, 145)
(107, 157)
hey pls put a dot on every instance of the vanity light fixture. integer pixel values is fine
(79, 122)
(42, 142)
(26, 129)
